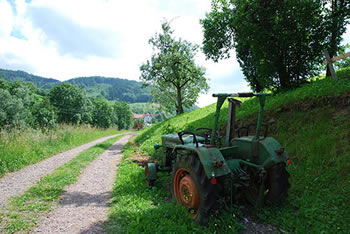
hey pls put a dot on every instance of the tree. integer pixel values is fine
(102, 113)
(43, 113)
(71, 102)
(278, 43)
(122, 114)
(175, 79)
(345, 62)
(15, 102)
(338, 16)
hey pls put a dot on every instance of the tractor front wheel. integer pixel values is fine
(191, 188)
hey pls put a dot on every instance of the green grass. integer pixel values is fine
(23, 211)
(21, 148)
(137, 208)
(311, 122)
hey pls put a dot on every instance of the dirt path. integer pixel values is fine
(83, 205)
(17, 182)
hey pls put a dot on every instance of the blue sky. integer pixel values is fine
(64, 39)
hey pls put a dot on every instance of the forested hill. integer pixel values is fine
(113, 88)
(110, 88)
(40, 82)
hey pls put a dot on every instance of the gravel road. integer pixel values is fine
(17, 182)
(83, 206)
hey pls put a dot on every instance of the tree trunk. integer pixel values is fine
(285, 82)
(337, 16)
(179, 108)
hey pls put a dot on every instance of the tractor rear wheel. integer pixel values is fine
(191, 188)
(277, 183)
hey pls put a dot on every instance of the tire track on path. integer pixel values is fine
(83, 205)
(17, 182)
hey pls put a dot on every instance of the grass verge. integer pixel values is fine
(136, 208)
(23, 211)
(21, 148)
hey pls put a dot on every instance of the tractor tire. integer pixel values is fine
(277, 183)
(191, 188)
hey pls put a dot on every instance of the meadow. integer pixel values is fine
(19, 148)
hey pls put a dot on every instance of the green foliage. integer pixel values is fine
(23, 106)
(338, 16)
(43, 113)
(21, 148)
(41, 82)
(175, 79)
(345, 62)
(279, 44)
(122, 114)
(22, 212)
(95, 86)
(139, 123)
(113, 88)
(102, 113)
(15, 100)
(311, 122)
(71, 103)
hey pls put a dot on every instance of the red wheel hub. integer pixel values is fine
(185, 191)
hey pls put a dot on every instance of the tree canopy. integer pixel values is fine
(174, 78)
(279, 44)
(23, 105)
(71, 103)
(338, 16)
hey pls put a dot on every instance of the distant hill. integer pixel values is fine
(40, 82)
(113, 88)
(95, 86)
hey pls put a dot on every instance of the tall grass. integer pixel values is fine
(22, 212)
(19, 148)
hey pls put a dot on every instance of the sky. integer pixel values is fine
(64, 39)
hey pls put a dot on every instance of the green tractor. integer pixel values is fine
(203, 175)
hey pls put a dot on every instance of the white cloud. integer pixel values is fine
(65, 39)
(6, 18)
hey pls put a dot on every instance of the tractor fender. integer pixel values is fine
(214, 164)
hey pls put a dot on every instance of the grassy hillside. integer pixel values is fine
(154, 108)
(311, 122)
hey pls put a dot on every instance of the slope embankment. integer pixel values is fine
(311, 122)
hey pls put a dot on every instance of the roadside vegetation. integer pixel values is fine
(23, 105)
(22, 212)
(311, 122)
(19, 148)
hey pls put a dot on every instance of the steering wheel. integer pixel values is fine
(205, 132)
